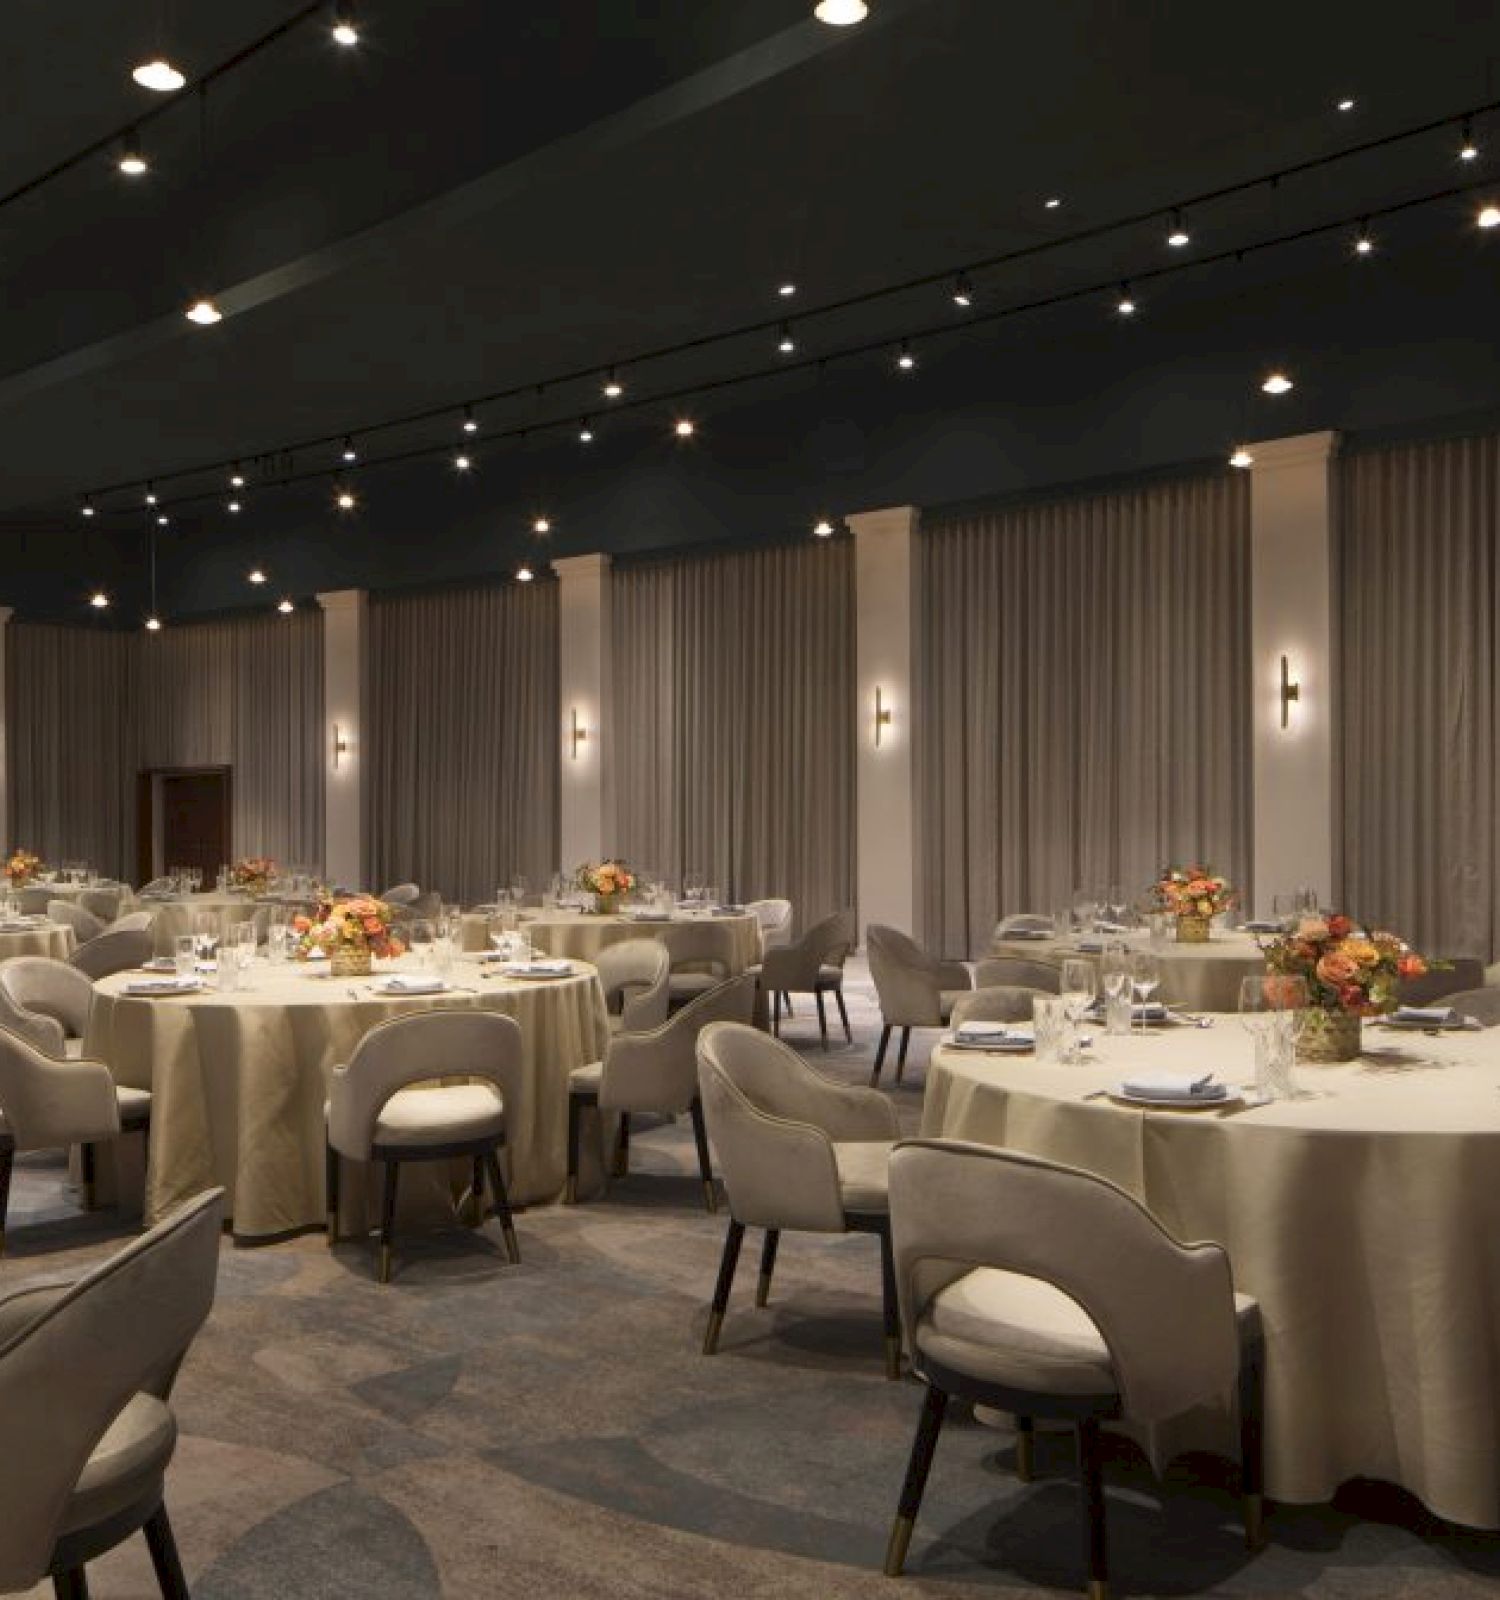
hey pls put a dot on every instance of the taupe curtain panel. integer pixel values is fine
(464, 735)
(1416, 569)
(1085, 699)
(731, 722)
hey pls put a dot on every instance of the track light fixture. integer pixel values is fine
(786, 290)
(1241, 458)
(685, 428)
(1467, 149)
(1125, 305)
(524, 574)
(349, 453)
(153, 624)
(585, 432)
(150, 495)
(905, 360)
(233, 507)
(469, 424)
(1364, 245)
(132, 162)
(542, 525)
(613, 388)
(823, 529)
(462, 463)
(285, 607)
(1277, 383)
(345, 500)
(1489, 217)
(204, 312)
(963, 292)
(86, 509)
(1346, 104)
(345, 29)
(99, 600)
(236, 478)
(1177, 235)
(163, 520)
(787, 345)
(159, 75)
(841, 13)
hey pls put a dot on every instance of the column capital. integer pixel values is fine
(886, 521)
(587, 566)
(1296, 450)
(341, 599)
(6, 613)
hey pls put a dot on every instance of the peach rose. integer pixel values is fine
(1314, 929)
(1337, 970)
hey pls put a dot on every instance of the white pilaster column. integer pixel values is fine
(583, 748)
(884, 562)
(344, 706)
(6, 613)
(1291, 616)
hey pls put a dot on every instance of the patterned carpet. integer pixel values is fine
(550, 1430)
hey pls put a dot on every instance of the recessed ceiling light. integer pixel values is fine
(132, 161)
(585, 432)
(841, 13)
(345, 30)
(153, 624)
(786, 290)
(1125, 306)
(345, 500)
(524, 574)
(236, 479)
(87, 508)
(613, 388)
(1178, 236)
(787, 344)
(1052, 202)
(204, 312)
(963, 292)
(285, 607)
(159, 75)
(823, 529)
(470, 425)
(905, 360)
(1347, 103)
(233, 505)
(1277, 383)
(99, 600)
(349, 452)
(686, 428)
(1489, 217)
(256, 575)
(1242, 458)
(1467, 149)
(462, 463)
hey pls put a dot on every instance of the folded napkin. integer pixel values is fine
(974, 1032)
(1429, 1016)
(163, 986)
(1174, 1086)
(648, 916)
(539, 969)
(411, 983)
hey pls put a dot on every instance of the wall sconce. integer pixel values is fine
(1290, 691)
(577, 735)
(340, 745)
(882, 715)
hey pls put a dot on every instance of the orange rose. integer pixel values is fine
(1313, 929)
(1337, 970)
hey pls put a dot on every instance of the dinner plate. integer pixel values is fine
(1010, 1045)
(155, 986)
(1411, 1025)
(420, 986)
(535, 973)
(1167, 1102)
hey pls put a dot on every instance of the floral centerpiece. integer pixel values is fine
(1194, 896)
(607, 881)
(349, 932)
(22, 867)
(1349, 976)
(253, 875)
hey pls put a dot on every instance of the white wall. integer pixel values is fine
(344, 704)
(583, 648)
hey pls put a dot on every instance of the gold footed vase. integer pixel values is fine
(1330, 1036)
(606, 904)
(345, 962)
(1193, 930)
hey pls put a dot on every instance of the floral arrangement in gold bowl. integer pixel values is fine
(254, 874)
(1348, 975)
(349, 932)
(607, 881)
(1194, 895)
(22, 867)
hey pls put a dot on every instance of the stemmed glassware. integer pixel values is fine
(1114, 977)
(421, 942)
(1145, 976)
(1078, 989)
(1085, 909)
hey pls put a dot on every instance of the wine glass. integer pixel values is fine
(205, 934)
(1085, 909)
(1257, 1018)
(692, 885)
(1118, 903)
(1145, 976)
(421, 942)
(1078, 988)
(518, 888)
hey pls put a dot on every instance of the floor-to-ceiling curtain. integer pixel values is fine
(1084, 679)
(463, 718)
(1416, 597)
(731, 722)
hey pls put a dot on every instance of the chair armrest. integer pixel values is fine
(856, 1115)
(644, 1072)
(22, 1308)
(952, 975)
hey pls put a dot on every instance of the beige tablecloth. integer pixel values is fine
(1200, 977)
(582, 935)
(239, 1080)
(180, 914)
(46, 939)
(1364, 1218)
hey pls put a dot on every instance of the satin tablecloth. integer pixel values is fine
(46, 939)
(1200, 977)
(581, 935)
(1364, 1218)
(238, 1080)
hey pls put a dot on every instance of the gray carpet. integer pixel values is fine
(550, 1430)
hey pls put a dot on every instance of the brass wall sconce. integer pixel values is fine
(882, 716)
(1290, 691)
(340, 745)
(577, 735)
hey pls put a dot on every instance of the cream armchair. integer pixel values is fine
(655, 1072)
(133, 922)
(85, 924)
(47, 1002)
(813, 965)
(915, 989)
(1047, 1292)
(400, 894)
(34, 901)
(376, 1114)
(86, 1430)
(115, 951)
(1008, 1003)
(796, 1151)
(47, 1103)
(775, 919)
(709, 948)
(635, 976)
(104, 903)
(1025, 972)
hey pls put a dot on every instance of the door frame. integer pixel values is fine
(147, 791)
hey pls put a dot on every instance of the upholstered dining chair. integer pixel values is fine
(796, 1151)
(400, 894)
(775, 919)
(1457, 975)
(114, 951)
(132, 922)
(86, 1424)
(1021, 972)
(655, 1072)
(33, 902)
(1048, 1292)
(1005, 1003)
(635, 976)
(915, 989)
(85, 924)
(707, 946)
(47, 1002)
(47, 1102)
(376, 1114)
(104, 903)
(1483, 1005)
(1025, 923)
(813, 965)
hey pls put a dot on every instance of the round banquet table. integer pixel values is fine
(178, 914)
(581, 935)
(39, 939)
(1365, 1218)
(1199, 977)
(238, 1080)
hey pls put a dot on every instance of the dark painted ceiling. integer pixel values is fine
(483, 196)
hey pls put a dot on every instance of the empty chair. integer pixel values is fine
(86, 1428)
(47, 1103)
(1459, 975)
(401, 894)
(1025, 923)
(795, 1151)
(915, 989)
(85, 924)
(104, 903)
(813, 965)
(159, 888)
(47, 1002)
(655, 1072)
(1006, 1003)
(634, 975)
(1047, 1292)
(1019, 972)
(1483, 1005)
(114, 951)
(375, 1113)
(708, 948)
(33, 902)
(132, 922)
(775, 919)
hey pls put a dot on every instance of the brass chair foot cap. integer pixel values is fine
(711, 1334)
(900, 1543)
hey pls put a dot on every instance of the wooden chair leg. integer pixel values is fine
(890, 1308)
(1091, 1475)
(733, 1239)
(70, 1585)
(705, 1164)
(1252, 1470)
(786, 1000)
(622, 1147)
(86, 1164)
(501, 1197)
(901, 1053)
(924, 1446)
(575, 1121)
(388, 1219)
(164, 1557)
(7, 1161)
(838, 995)
(331, 1172)
(776, 1013)
(885, 1039)
(767, 1265)
(822, 1017)
(475, 1198)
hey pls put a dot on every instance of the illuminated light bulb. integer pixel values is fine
(542, 525)
(1364, 245)
(1242, 458)
(1052, 202)
(788, 344)
(841, 13)
(132, 161)
(345, 31)
(462, 463)
(686, 428)
(823, 529)
(204, 312)
(786, 290)
(1347, 103)
(285, 607)
(163, 520)
(1489, 217)
(963, 292)
(613, 388)
(256, 575)
(470, 425)
(159, 75)
(233, 506)
(585, 433)
(905, 360)
(1277, 383)
(349, 453)
(237, 479)
(153, 624)
(345, 500)
(1125, 306)
(1468, 150)
(1178, 237)
(98, 600)
(86, 509)
(524, 574)
(150, 495)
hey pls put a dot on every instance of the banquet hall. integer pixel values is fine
(749, 759)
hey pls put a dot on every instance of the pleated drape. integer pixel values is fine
(1083, 672)
(1416, 596)
(463, 745)
(731, 721)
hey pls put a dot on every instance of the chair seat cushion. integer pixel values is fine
(586, 1079)
(864, 1168)
(135, 1105)
(441, 1116)
(689, 985)
(830, 977)
(73, 1049)
(950, 998)
(616, 1022)
(127, 1464)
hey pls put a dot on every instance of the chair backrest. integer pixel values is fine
(1461, 974)
(400, 894)
(416, 1049)
(112, 952)
(104, 903)
(794, 968)
(707, 943)
(84, 923)
(48, 1101)
(775, 919)
(635, 975)
(658, 1071)
(1004, 1003)
(1481, 1004)
(33, 902)
(132, 921)
(161, 886)
(45, 1001)
(773, 1121)
(906, 980)
(1018, 972)
(1024, 922)
(1166, 1310)
(79, 1355)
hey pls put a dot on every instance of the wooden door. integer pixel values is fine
(191, 808)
